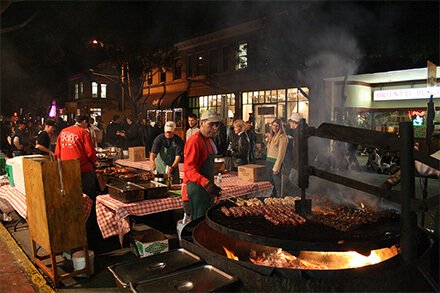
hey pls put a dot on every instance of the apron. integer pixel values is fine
(166, 158)
(201, 200)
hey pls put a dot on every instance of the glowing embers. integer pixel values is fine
(317, 260)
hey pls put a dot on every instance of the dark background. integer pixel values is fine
(37, 59)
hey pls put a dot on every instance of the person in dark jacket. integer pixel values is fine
(221, 140)
(43, 141)
(132, 133)
(252, 141)
(111, 139)
(241, 146)
(148, 136)
(19, 144)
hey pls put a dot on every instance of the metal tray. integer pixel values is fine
(125, 191)
(199, 279)
(154, 189)
(153, 266)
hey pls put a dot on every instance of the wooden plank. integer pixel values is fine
(385, 141)
(55, 222)
(391, 195)
(35, 202)
(65, 213)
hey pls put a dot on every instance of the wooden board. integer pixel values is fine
(56, 223)
(35, 203)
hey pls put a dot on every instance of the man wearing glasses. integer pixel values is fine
(199, 191)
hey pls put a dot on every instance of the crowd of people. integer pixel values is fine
(205, 139)
(236, 143)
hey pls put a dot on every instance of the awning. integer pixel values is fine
(164, 101)
(172, 100)
(152, 102)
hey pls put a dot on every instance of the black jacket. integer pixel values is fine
(241, 149)
(111, 137)
(133, 135)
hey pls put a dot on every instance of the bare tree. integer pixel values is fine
(4, 5)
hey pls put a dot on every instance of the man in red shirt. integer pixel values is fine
(198, 181)
(74, 142)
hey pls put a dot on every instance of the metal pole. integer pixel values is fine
(301, 155)
(123, 88)
(429, 130)
(408, 218)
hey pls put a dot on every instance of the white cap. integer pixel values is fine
(170, 126)
(210, 116)
(295, 117)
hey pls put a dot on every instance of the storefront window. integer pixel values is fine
(178, 117)
(281, 95)
(95, 112)
(223, 104)
(271, 104)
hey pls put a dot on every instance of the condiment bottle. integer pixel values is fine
(219, 178)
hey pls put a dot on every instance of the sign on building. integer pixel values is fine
(432, 74)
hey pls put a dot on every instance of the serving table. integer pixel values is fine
(15, 200)
(113, 215)
(143, 165)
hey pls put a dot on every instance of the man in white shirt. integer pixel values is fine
(193, 129)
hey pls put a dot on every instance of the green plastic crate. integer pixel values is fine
(9, 173)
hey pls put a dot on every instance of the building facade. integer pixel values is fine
(220, 71)
(92, 95)
(379, 101)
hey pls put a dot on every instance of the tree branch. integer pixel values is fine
(18, 26)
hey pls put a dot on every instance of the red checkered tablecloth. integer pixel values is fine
(143, 165)
(112, 215)
(17, 200)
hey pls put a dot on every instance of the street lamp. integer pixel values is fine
(112, 78)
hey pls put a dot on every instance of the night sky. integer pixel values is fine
(37, 60)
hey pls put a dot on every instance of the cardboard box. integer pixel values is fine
(149, 242)
(136, 154)
(252, 173)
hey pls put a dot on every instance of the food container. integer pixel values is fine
(199, 279)
(154, 189)
(152, 267)
(125, 191)
(163, 178)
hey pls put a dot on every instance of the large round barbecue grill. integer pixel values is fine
(248, 245)
(308, 236)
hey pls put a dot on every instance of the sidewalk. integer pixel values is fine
(17, 273)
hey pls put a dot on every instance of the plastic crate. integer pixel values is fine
(10, 175)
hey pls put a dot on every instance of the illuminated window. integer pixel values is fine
(241, 54)
(76, 91)
(81, 89)
(103, 90)
(95, 112)
(94, 89)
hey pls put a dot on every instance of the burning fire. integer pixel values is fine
(317, 260)
(230, 254)
(362, 206)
